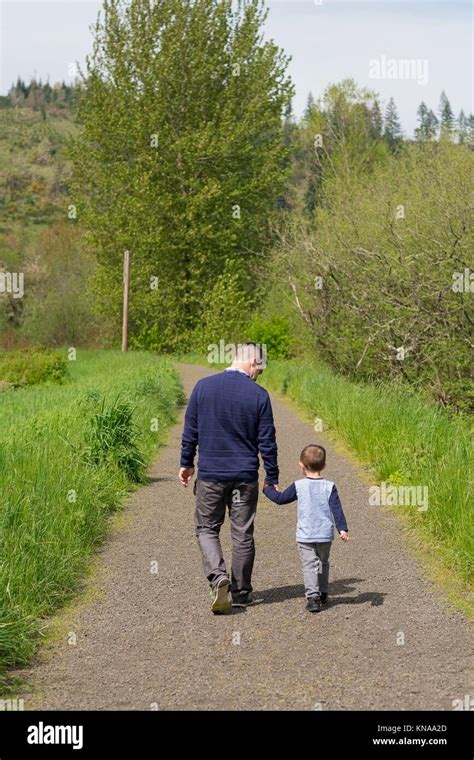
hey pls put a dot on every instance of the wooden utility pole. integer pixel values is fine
(126, 284)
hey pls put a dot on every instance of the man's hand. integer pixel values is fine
(272, 485)
(344, 535)
(185, 475)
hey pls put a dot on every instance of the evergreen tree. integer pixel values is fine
(376, 120)
(18, 92)
(393, 130)
(428, 123)
(446, 117)
(462, 127)
(309, 105)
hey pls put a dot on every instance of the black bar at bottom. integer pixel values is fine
(148, 734)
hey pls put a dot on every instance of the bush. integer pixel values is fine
(378, 274)
(58, 307)
(274, 333)
(19, 368)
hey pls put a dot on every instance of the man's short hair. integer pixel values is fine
(247, 351)
(313, 457)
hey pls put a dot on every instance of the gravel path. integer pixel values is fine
(148, 640)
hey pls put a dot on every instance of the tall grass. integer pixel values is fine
(68, 456)
(406, 440)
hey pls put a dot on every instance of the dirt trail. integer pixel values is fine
(149, 640)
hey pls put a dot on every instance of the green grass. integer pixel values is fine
(405, 440)
(68, 456)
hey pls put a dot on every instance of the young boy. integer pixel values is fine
(318, 504)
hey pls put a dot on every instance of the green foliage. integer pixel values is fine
(59, 307)
(404, 439)
(31, 367)
(342, 129)
(387, 246)
(188, 188)
(68, 455)
(225, 307)
(274, 333)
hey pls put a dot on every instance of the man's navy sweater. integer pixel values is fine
(230, 419)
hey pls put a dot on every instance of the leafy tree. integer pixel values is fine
(372, 276)
(340, 132)
(181, 155)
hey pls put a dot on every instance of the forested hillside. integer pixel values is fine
(34, 175)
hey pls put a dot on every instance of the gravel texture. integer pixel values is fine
(149, 641)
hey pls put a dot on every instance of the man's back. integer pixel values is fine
(230, 418)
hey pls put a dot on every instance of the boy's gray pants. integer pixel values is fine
(211, 501)
(315, 561)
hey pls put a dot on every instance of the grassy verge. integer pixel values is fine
(405, 440)
(68, 456)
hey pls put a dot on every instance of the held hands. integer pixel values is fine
(270, 485)
(185, 474)
(344, 535)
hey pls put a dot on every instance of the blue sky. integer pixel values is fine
(328, 41)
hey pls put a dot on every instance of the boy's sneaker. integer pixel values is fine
(324, 597)
(244, 600)
(221, 600)
(314, 604)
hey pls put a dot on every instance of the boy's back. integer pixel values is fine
(319, 508)
(315, 522)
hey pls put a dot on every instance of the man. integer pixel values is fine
(229, 417)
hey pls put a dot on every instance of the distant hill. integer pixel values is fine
(34, 170)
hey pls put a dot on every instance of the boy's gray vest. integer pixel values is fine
(315, 521)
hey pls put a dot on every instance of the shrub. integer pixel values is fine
(275, 334)
(19, 368)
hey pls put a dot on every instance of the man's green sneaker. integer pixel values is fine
(221, 600)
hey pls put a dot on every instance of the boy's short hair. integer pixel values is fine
(313, 457)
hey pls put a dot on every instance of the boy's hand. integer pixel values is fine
(344, 535)
(270, 485)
